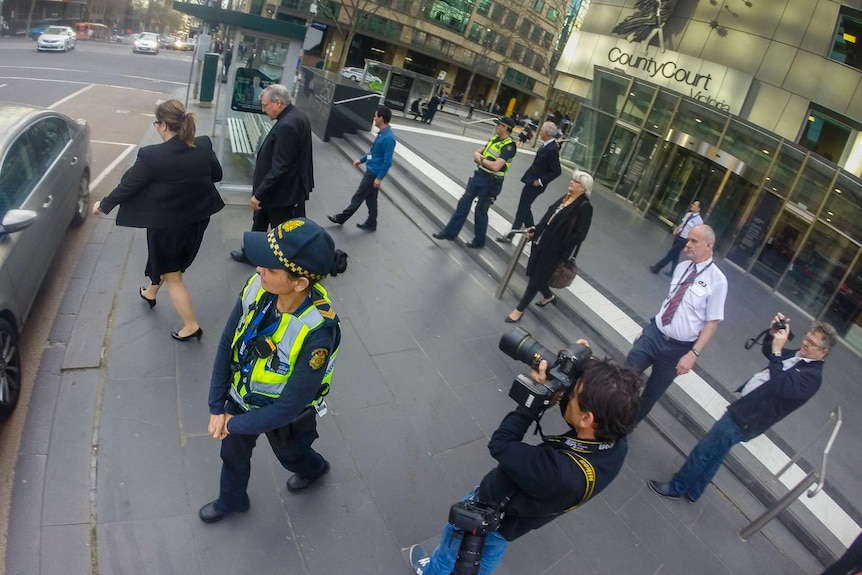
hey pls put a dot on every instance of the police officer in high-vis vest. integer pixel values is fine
(275, 360)
(492, 163)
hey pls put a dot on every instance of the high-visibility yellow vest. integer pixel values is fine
(268, 377)
(492, 151)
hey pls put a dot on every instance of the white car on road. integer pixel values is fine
(148, 42)
(356, 74)
(56, 39)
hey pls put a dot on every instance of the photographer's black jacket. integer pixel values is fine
(545, 480)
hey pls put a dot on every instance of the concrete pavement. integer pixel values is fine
(116, 460)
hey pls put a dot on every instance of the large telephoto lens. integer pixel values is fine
(518, 344)
(469, 559)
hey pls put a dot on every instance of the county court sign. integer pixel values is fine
(712, 84)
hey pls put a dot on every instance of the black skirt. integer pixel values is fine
(173, 249)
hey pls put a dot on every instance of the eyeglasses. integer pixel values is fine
(807, 339)
(156, 123)
(263, 104)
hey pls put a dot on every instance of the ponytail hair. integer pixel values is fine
(182, 123)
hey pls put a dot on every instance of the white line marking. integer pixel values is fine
(95, 183)
(78, 82)
(111, 143)
(69, 97)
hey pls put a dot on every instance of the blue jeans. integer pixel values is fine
(706, 458)
(486, 188)
(654, 349)
(444, 556)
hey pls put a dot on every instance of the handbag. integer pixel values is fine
(566, 271)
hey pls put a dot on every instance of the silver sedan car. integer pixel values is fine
(44, 187)
(56, 39)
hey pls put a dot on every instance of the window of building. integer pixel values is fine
(825, 134)
(511, 19)
(553, 14)
(502, 44)
(484, 7)
(475, 32)
(536, 34)
(498, 12)
(517, 52)
(538, 5)
(547, 39)
(452, 14)
(378, 25)
(489, 38)
(525, 27)
(848, 35)
(518, 79)
(538, 63)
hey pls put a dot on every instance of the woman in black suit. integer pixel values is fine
(170, 191)
(562, 229)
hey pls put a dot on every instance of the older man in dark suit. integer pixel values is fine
(284, 171)
(792, 377)
(544, 169)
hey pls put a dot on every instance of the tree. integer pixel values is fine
(347, 19)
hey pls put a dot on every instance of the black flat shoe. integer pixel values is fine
(150, 302)
(297, 483)
(209, 513)
(442, 236)
(334, 220)
(553, 300)
(473, 245)
(196, 335)
(367, 227)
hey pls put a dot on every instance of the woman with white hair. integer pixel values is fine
(556, 238)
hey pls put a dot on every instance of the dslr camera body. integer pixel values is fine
(564, 369)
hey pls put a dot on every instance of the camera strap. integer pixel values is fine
(574, 448)
(757, 340)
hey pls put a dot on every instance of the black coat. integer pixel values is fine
(545, 166)
(555, 243)
(169, 186)
(284, 170)
(783, 393)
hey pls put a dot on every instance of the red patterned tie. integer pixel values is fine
(674, 302)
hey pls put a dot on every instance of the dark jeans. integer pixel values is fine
(524, 216)
(654, 349)
(850, 562)
(533, 288)
(265, 219)
(672, 255)
(486, 188)
(295, 454)
(706, 458)
(366, 192)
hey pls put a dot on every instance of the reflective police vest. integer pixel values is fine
(492, 151)
(262, 380)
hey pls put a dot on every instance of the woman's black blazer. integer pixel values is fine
(171, 185)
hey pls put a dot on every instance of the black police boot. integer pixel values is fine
(296, 483)
(239, 256)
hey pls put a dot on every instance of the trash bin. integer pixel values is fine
(208, 79)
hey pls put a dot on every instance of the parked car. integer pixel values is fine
(147, 43)
(56, 39)
(166, 42)
(44, 187)
(355, 74)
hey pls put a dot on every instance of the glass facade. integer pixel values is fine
(781, 212)
(848, 34)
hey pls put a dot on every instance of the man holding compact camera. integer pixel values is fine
(534, 484)
(788, 382)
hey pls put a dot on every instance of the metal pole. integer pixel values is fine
(510, 269)
(780, 506)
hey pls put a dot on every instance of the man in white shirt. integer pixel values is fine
(689, 221)
(686, 321)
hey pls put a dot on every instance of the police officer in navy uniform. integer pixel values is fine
(275, 360)
(492, 163)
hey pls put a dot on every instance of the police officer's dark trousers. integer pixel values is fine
(295, 454)
(485, 187)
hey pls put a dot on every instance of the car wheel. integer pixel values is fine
(82, 206)
(10, 369)
(354, 78)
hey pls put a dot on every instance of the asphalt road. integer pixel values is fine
(115, 91)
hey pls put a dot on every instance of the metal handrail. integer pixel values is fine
(813, 477)
(365, 97)
(510, 269)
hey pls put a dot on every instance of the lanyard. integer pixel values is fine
(252, 331)
(691, 281)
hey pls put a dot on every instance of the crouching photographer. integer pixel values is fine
(534, 484)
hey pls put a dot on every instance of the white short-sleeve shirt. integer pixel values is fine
(702, 302)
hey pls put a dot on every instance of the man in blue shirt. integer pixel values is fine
(379, 160)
